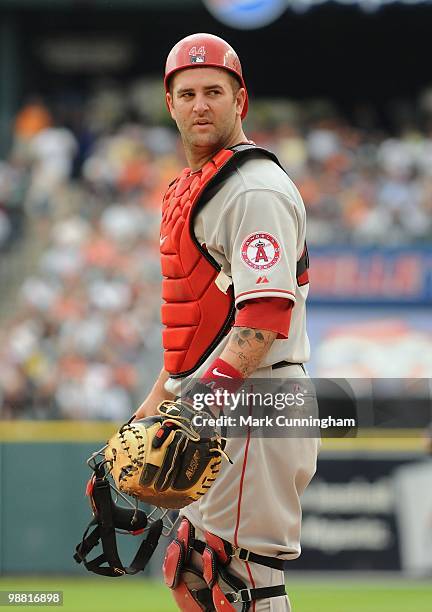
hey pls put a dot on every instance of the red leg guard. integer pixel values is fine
(177, 554)
(173, 563)
(185, 599)
(185, 533)
(219, 546)
(176, 563)
(220, 602)
(210, 566)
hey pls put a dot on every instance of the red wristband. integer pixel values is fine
(222, 375)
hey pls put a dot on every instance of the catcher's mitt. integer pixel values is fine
(164, 460)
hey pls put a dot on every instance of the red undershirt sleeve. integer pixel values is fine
(269, 313)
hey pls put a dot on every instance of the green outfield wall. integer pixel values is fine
(42, 506)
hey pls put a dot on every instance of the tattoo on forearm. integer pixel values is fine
(248, 346)
(246, 336)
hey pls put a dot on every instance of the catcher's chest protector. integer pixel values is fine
(199, 308)
(196, 312)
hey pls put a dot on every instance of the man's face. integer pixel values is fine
(206, 104)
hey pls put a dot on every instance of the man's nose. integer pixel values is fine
(200, 104)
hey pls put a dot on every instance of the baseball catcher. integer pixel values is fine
(235, 282)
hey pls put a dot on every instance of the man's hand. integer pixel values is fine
(148, 407)
(155, 397)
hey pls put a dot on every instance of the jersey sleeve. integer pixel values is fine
(272, 314)
(259, 237)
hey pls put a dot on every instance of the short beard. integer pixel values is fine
(211, 141)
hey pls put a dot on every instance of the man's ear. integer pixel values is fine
(169, 103)
(240, 100)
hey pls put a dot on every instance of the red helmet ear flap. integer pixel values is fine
(201, 50)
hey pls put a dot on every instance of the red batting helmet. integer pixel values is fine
(200, 50)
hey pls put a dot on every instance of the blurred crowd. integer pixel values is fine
(85, 340)
(360, 189)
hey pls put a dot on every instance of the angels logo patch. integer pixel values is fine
(260, 251)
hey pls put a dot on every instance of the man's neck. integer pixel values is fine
(198, 158)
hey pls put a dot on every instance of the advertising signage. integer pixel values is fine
(375, 275)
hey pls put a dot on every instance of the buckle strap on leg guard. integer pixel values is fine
(249, 595)
(246, 555)
(226, 551)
